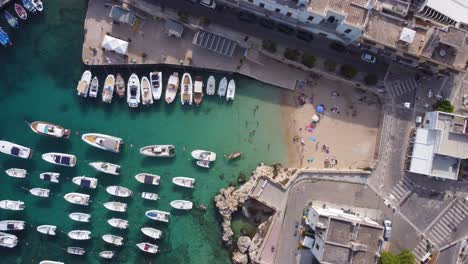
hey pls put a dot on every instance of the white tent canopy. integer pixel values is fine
(115, 44)
(407, 35)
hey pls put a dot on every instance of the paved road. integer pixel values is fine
(318, 46)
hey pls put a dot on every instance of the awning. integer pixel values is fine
(308, 242)
(122, 15)
(407, 35)
(115, 44)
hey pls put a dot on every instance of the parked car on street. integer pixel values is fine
(304, 36)
(368, 57)
(337, 47)
(285, 29)
(247, 17)
(267, 23)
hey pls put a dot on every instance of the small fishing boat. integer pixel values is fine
(15, 150)
(16, 173)
(171, 88)
(184, 182)
(108, 89)
(77, 198)
(211, 85)
(105, 142)
(203, 163)
(76, 251)
(11, 225)
(231, 90)
(12, 205)
(234, 155)
(160, 151)
(84, 83)
(204, 155)
(107, 254)
(94, 88)
(112, 239)
(80, 217)
(120, 86)
(49, 129)
(146, 95)
(151, 232)
(61, 159)
(85, 182)
(133, 91)
(222, 87)
(4, 38)
(12, 21)
(8, 240)
(118, 223)
(156, 84)
(50, 262)
(149, 196)
(198, 90)
(29, 6)
(79, 234)
(40, 192)
(119, 191)
(147, 178)
(38, 5)
(47, 229)
(147, 247)
(158, 215)
(116, 206)
(186, 89)
(50, 176)
(106, 167)
(182, 204)
(21, 12)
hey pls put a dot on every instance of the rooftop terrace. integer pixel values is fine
(353, 10)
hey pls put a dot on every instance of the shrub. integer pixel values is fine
(444, 106)
(330, 65)
(348, 71)
(308, 60)
(371, 79)
(183, 16)
(404, 257)
(291, 54)
(269, 46)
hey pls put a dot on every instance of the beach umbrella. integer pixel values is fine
(320, 109)
(315, 118)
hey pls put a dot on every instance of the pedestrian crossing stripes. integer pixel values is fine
(402, 87)
(400, 190)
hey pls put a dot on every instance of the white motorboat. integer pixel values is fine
(12, 205)
(108, 89)
(160, 151)
(119, 191)
(186, 89)
(85, 182)
(171, 88)
(158, 215)
(50, 176)
(61, 159)
(184, 182)
(198, 90)
(40, 192)
(148, 178)
(79, 234)
(146, 94)
(76, 251)
(47, 229)
(147, 247)
(112, 239)
(16, 173)
(182, 204)
(105, 142)
(49, 129)
(156, 84)
(38, 5)
(84, 83)
(151, 232)
(120, 85)
(222, 87)
(11, 225)
(149, 196)
(77, 198)
(80, 217)
(133, 91)
(204, 155)
(8, 240)
(94, 88)
(118, 223)
(231, 90)
(107, 254)
(116, 206)
(211, 85)
(15, 150)
(50, 262)
(203, 163)
(106, 167)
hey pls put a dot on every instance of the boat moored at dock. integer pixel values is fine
(211, 85)
(106, 167)
(181, 204)
(204, 155)
(21, 12)
(94, 88)
(172, 86)
(85, 182)
(11, 225)
(119, 191)
(120, 85)
(116, 206)
(184, 182)
(108, 89)
(50, 262)
(12, 205)
(40, 192)
(147, 178)
(158, 215)
(15, 150)
(84, 83)
(61, 159)
(198, 90)
(147, 247)
(105, 142)
(107, 254)
(186, 89)
(160, 151)
(8, 240)
(231, 90)
(118, 223)
(12, 21)
(49, 129)
(38, 5)
(29, 6)
(47, 229)
(222, 87)
(113, 239)
(76, 251)
(156, 84)
(151, 232)
(79, 234)
(50, 176)
(77, 198)
(4, 38)
(203, 163)
(146, 94)
(16, 173)
(133, 91)
(80, 217)
(149, 196)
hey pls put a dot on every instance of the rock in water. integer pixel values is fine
(243, 244)
(239, 258)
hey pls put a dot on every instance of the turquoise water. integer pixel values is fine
(37, 82)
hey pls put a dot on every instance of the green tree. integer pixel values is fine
(269, 46)
(348, 71)
(406, 257)
(308, 60)
(291, 54)
(388, 258)
(371, 79)
(444, 106)
(330, 65)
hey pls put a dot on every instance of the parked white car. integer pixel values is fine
(387, 229)
(368, 57)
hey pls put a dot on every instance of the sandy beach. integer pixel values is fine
(345, 137)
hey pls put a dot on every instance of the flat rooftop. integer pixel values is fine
(354, 11)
